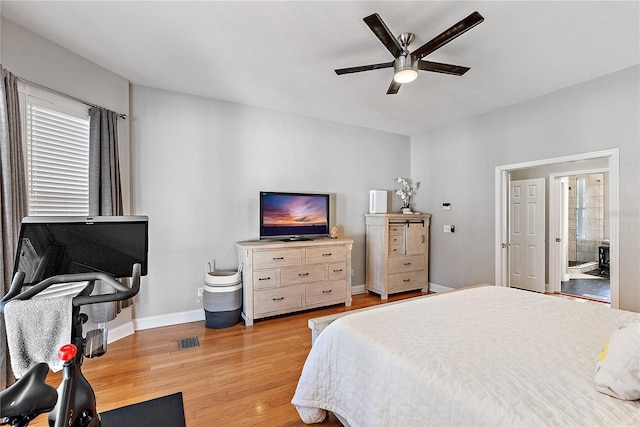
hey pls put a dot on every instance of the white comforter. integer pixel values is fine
(483, 356)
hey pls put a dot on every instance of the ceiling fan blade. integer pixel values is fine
(341, 71)
(383, 33)
(456, 30)
(437, 67)
(394, 87)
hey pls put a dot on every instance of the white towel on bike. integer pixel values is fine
(36, 329)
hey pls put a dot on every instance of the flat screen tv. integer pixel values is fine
(293, 216)
(49, 246)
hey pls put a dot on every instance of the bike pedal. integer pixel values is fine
(95, 343)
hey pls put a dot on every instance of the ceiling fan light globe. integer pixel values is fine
(405, 76)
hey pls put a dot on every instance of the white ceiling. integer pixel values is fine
(281, 55)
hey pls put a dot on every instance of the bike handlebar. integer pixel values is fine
(122, 292)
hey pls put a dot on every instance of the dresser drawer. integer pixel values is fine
(337, 271)
(406, 263)
(276, 300)
(395, 251)
(321, 293)
(264, 279)
(277, 258)
(396, 230)
(406, 281)
(303, 274)
(324, 254)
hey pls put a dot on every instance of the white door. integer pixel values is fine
(527, 235)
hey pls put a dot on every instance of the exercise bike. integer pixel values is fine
(73, 404)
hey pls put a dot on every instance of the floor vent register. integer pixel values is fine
(185, 343)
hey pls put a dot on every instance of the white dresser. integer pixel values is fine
(284, 277)
(397, 253)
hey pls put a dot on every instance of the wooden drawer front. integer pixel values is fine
(319, 293)
(407, 263)
(406, 281)
(337, 271)
(396, 230)
(304, 274)
(326, 254)
(395, 251)
(272, 300)
(264, 279)
(278, 258)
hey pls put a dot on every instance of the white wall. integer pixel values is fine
(456, 164)
(199, 164)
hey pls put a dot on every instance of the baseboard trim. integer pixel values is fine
(120, 332)
(434, 287)
(198, 315)
(168, 319)
(358, 289)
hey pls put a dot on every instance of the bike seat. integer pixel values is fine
(30, 395)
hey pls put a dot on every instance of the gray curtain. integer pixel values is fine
(105, 192)
(13, 198)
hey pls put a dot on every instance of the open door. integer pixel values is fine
(527, 244)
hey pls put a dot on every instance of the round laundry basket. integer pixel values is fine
(222, 298)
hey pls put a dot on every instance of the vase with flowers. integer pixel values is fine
(408, 189)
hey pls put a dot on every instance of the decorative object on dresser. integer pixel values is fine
(397, 255)
(284, 277)
(378, 201)
(405, 193)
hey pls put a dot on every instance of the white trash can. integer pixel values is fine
(222, 298)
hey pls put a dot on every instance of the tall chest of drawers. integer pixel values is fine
(397, 253)
(284, 277)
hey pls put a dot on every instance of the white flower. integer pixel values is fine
(406, 192)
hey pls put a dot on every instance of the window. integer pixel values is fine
(56, 154)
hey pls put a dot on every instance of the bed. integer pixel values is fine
(483, 356)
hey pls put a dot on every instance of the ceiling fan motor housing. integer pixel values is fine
(406, 68)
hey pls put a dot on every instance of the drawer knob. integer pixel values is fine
(337, 270)
(407, 263)
(327, 292)
(264, 278)
(406, 280)
(329, 254)
(278, 299)
(278, 258)
(303, 274)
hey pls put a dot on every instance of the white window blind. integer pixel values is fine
(57, 155)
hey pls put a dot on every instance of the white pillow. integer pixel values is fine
(618, 366)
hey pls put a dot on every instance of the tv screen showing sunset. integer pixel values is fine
(284, 214)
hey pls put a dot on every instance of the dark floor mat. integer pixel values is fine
(166, 411)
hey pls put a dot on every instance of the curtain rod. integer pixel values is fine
(122, 116)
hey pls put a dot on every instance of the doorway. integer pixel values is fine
(585, 225)
(557, 264)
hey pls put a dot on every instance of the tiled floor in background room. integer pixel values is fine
(590, 285)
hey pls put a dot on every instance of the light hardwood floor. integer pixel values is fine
(239, 376)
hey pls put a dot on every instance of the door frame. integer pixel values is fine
(502, 178)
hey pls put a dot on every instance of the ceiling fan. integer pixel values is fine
(406, 64)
